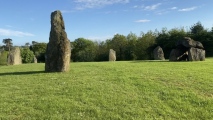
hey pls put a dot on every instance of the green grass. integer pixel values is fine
(108, 90)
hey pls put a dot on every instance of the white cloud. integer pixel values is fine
(152, 7)
(7, 32)
(173, 8)
(187, 9)
(83, 4)
(142, 21)
(135, 6)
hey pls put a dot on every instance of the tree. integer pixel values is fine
(34, 42)
(167, 39)
(84, 50)
(27, 44)
(27, 55)
(103, 51)
(119, 43)
(197, 28)
(144, 44)
(39, 50)
(131, 46)
(8, 43)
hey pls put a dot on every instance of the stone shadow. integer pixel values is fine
(22, 73)
(138, 61)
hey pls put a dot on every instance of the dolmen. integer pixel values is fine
(188, 49)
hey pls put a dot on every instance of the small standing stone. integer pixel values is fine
(158, 53)
(58, 50)
(14, 57)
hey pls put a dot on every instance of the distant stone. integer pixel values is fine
(14, 57)
(196, 54)
(58, 50)
(158, 53)
(112, 55)
(34, 59)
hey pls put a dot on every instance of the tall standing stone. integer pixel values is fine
(112, 55)
(58, 50)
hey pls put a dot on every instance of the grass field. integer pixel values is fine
(108, 90)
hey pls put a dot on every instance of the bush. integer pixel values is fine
(27, 55)
(39, 50)
(3, 57)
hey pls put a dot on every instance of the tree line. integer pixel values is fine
(130, 47)
(133, 47)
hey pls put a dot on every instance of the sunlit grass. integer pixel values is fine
(109, 90)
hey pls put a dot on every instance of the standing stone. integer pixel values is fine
(196, 54)
(14, 57)
(112, 55)
(34, 59)
(58, 50)
(158, 53)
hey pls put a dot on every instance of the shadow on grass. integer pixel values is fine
(137, 61)
(22, 73)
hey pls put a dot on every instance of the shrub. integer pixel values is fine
(3, 57)
(27, 55)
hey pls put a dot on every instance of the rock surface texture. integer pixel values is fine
(58, 50)
(188, 49)
(112, 55)
(14, 57)
(158, 53)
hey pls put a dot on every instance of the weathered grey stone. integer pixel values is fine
(188, 43)
(112, 55)
(14, 57)
(58, 50)
(158, 53)
(196, 54)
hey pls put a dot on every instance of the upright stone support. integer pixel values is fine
(196, 54)
(58, 50)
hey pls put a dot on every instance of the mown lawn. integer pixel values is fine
(108, 90)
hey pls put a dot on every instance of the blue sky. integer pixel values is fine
(29, 20)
